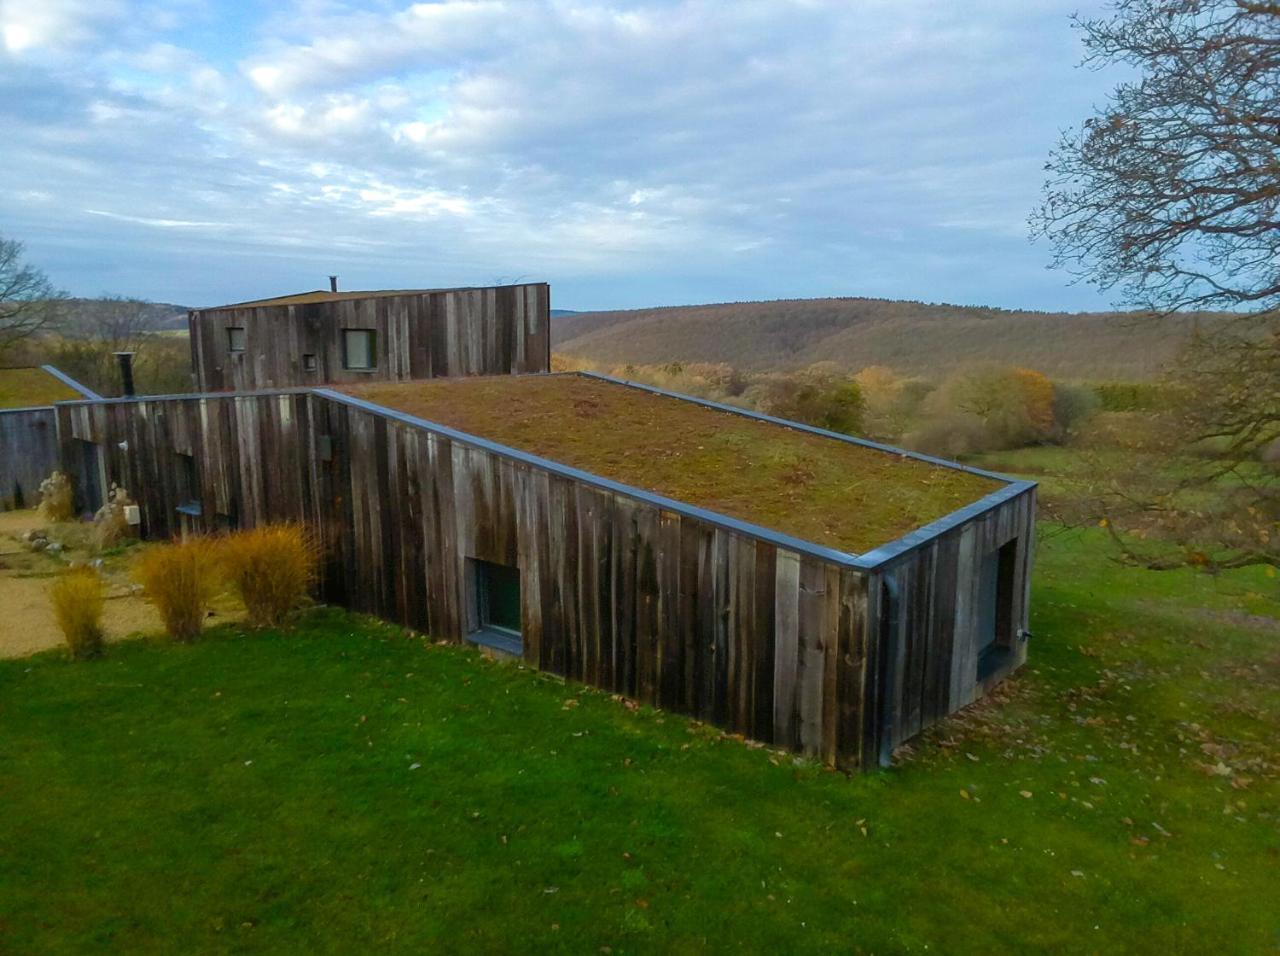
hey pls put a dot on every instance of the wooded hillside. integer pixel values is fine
(910, 337)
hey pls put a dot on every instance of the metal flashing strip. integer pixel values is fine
(798, 426)
(189, 396)
(668, 504)
(70, 382)
(866, 561)
(887, 552)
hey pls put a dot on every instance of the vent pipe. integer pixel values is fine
(126, 373)
(333, 283)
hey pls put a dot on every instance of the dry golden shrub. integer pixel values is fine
(272, 568)
(57, 502)
(180, 579)
(77, 600)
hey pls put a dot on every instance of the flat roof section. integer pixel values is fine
(31, 387)
(322, 295)
(833, 493)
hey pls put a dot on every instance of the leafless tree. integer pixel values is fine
(29, 303)
(1170, 198)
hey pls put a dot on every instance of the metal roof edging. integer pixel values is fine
(799, 426)
(882, 554)
(26, 408)
(776, 538)
(70, 382)
(866, 561)
(189, 396)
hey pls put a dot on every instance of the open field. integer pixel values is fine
(28, 387)
(345, 787)
(913, 338)
(825, 491)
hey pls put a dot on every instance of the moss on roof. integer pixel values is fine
(818, 489)
(27, 387)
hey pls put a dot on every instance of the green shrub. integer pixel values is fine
(1129, 396)
(180, 579)
(1073, 405)
(821, 395)
(986, 408)
(77, 601)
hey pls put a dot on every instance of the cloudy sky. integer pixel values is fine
(631, 154)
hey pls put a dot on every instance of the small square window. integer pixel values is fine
(497, 606)
(235, 338)
(309, 363)
(358, 350)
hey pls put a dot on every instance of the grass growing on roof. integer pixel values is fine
(828, 492)
(29, 387)
(344, 788)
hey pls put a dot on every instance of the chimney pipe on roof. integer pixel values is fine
(126, 373)
(333, 283)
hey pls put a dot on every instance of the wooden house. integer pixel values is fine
(336, 337)
(810, 590)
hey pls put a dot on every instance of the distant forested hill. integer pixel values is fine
(911, 337)
(90, 314)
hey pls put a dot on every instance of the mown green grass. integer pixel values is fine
(344, 787)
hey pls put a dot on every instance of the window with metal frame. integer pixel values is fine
(359, 352)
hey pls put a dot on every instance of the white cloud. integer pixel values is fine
(758, 147)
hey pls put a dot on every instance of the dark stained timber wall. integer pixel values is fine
(670, 608)
(489, 331)
(29, 450)
(28, 454)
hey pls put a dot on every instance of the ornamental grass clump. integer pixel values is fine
(77, 601)
(57, 502)
(272, 568)
(180, 579)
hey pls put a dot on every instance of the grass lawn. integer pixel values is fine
(343, 787)
(30, 387)
(832, 493)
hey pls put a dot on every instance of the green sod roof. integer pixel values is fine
(25, 387)
(819, 489)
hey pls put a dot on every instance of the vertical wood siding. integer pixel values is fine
(28, 454)
(493, 331)
(664, 607)
(929, 666)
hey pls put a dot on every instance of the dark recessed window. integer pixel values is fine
(235, 338)
(187, 478)
(358, 349)
(995, 607)
(497, 606)
(309, 363)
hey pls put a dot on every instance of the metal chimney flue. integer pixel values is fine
(333, 283)
(126, 373)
